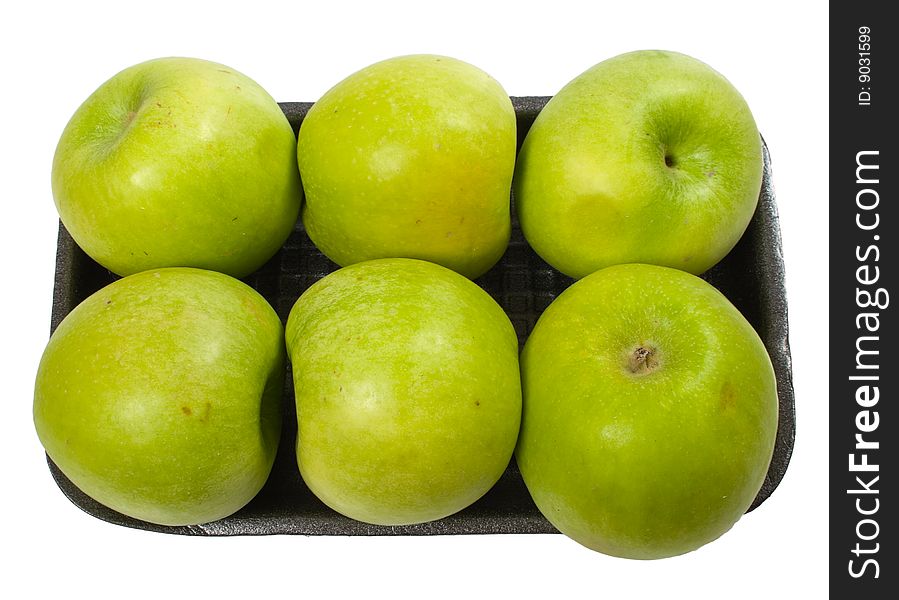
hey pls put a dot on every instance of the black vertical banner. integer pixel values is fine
(864, 372)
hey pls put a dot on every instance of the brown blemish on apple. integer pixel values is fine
(186, 410)
(643, 360)
(477, 402)
(728, 396)
(711, 173)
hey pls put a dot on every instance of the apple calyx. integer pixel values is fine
(643, 360)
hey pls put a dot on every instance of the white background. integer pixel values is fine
(775, 52)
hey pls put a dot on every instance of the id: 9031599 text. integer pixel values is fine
(864, 65)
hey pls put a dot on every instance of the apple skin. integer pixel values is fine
(636, 461)
(178, 162)
(592, 185)
(159, 395)
(410, 157)
(407, 389)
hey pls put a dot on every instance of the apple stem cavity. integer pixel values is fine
(119, 132)
(643, 360)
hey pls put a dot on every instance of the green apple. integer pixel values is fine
(410, 157)
(648, 157)
(159, 395)
(650, 411)
(178, 162)
(407, 389)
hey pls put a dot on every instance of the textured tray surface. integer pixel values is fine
(751, 276)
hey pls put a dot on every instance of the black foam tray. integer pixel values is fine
(751, 276)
